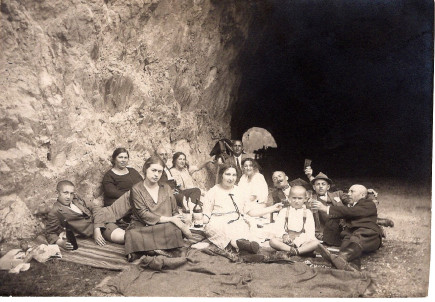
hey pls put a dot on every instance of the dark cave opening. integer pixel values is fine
(347, 84)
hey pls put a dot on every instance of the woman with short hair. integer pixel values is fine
(156, 223)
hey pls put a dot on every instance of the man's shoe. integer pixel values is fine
(324, 252)
(341, 263)
(385, 222)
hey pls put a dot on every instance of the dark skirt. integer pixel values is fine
(163, 236)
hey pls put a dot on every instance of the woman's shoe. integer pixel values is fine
(248, 246)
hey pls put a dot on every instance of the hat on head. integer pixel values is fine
(321, 176)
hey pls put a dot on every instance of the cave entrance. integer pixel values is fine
(259, 143)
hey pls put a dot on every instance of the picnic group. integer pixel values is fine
(152, 214)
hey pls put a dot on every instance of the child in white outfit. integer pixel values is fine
(294, 227)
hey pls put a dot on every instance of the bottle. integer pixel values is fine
(70, 237)
(197, 214)
(187, 217)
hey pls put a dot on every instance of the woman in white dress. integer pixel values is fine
(227, 213)
(252, 183)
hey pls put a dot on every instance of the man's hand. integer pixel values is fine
(309, 172)
(98, 237)
(277, 206)
(317, 205)
(64, 244)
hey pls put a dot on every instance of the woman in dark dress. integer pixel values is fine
(120, 179)
(156, 223)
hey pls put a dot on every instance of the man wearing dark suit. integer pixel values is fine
(361, 232)
(71, 212)
(237, 157)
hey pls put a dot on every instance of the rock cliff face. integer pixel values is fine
(80, 78)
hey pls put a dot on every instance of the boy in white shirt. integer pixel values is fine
(294, 227)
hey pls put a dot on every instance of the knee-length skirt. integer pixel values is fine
(141, 238)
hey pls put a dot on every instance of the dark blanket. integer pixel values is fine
(201, 275)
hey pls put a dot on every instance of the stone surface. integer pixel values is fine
(80, 78)
(16, 220)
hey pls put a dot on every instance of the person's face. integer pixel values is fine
(154, 172)
(163, 155)
(66, 195)
(237, 148)
(321, 186)
(297, 198)
(354, 194)
(229, 177)
(248, 168)
(280, 180)
(181, 161)
(121, 160)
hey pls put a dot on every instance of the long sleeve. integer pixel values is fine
(208, 202)
(260, 188)
(53, 226)
(141, 209)
(363, 210)
(114, 186)
(309, 225)
(109, 187)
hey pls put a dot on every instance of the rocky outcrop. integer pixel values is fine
(80, 78)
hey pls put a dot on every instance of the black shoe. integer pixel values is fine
(248, 246)
(133, 256)
(324, 252)
(385, 222)
(341, 263)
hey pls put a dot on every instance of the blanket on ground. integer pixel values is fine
(199, 274)
(110, 256)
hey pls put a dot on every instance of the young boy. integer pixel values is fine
(294, 226)
(72, 212)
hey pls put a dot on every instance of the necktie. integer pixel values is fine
(238, 163)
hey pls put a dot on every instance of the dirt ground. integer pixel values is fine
(400, 267)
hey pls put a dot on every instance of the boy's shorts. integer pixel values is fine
(108, 230)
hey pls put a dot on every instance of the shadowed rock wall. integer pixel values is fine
(80, 78)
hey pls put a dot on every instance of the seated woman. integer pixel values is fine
(226, 213)
(182, 174)
(120, 178)
(252, 183)
(156, 224)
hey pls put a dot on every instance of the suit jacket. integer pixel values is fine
(277, 195)
(363, 215)
(80, 223)
(231, 159)
(164, 179)
(333, 198)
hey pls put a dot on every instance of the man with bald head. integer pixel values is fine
(361, 232)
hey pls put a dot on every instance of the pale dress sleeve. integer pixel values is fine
(192, 169)
(208, 202)
(259, 188)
